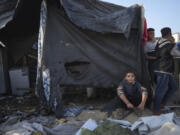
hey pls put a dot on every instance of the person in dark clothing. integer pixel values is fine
(166, 85)
(130, 95)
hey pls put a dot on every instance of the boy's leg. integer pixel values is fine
(113, 105)
(162, 85)
(136, 100)
(172, 87)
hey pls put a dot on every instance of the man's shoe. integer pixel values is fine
(157, 113)
(162, 106)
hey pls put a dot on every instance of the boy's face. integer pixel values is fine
(151, 35)
(130, 77)
(171, 38)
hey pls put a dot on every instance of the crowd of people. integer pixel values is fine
(130, 93)
(161, 66)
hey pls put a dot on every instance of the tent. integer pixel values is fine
(86, 43)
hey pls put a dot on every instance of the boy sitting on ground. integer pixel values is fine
(130, 95)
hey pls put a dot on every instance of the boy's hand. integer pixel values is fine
(130, 106)
(140, 106)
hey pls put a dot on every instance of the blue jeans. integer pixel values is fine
(166, 86)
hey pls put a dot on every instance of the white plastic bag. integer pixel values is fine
(175, 51)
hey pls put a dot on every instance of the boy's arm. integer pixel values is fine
(144, 98)
(151, 57)
(123, 97)
(166, 50)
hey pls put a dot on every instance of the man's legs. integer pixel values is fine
(172, 87)
(151, 71)
(162, 86)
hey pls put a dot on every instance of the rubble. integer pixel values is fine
(25, 116)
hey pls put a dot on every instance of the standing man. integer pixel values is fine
(149, 50)
(166, 85)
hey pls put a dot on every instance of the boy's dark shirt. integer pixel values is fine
(131, 90)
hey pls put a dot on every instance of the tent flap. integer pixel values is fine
(100, 16)
(7, 9)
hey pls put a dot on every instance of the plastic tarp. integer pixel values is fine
(7, 9)
(21, 21)
(150, 124)
(99, 16)
(87, 43)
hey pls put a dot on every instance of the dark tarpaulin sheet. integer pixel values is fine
(70, 55)
(20, 45)
(21, 32)
(99, 16)
(7, 8)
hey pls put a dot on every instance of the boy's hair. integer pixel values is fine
(129, 71)
(166, 31)
(150, 29)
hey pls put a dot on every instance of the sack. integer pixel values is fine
(175, 51)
